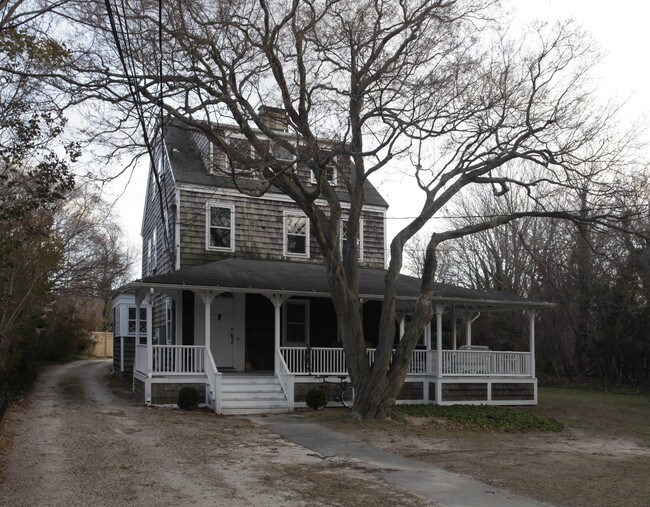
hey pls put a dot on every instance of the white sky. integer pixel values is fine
(619, 28)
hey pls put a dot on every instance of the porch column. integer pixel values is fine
(427, 345)
(454, 331)
(207, 296)
(531, 338)
(439, 309)
(150, 297)
(401, 327)
(277, 300)
(468, 330)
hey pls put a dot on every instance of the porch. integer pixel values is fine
(280, 341)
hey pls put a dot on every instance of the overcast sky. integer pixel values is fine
(621, 30)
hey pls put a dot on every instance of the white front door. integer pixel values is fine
(222, 331)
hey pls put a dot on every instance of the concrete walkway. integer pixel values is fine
(439, 486)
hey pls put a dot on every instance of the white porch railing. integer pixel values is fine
(481, 363)
(286, 379)
(331, 361)
(178, 359)
(214, 381)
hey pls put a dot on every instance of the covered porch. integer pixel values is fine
(242, 323)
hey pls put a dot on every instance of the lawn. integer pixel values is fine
(601, 457)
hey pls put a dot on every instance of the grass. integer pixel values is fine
(484, 417)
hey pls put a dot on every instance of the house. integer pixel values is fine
(235, 298)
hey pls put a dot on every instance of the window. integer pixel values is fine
(344, 238)
(117, 330)
(296, 234)
(154, 260)
(240, 145)
(149, 264)
(220, 227)
(143, 323)
(330, 168)
(296, 322)
(281, 153)
(170, 320)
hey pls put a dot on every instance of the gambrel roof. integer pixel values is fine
(188, 167)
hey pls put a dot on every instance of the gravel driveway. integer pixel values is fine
(80, 439)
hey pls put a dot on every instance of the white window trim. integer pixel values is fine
(335, 173)
(143, 321)
(155, 249)
(285, 215)
(148, 257)
(360, 237)
(272, 148)
(305, 303)
(218, 204)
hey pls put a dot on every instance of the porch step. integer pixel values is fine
(242, 394)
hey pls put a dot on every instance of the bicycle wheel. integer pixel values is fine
(325, 392)
(347, 396)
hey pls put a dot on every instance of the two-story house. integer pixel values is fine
(236, 301)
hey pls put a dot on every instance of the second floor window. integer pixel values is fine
(344, 238)
(296, 235)
(220, 227)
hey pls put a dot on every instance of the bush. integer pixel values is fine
(188, 398)
(316, 398)
(484, 417)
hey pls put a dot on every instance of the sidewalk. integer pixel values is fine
(440, 486)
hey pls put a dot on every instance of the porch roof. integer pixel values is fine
(308, 279)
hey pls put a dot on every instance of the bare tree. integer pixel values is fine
(432, 85)
(96, 259)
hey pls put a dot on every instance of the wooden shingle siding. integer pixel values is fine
(411, 391)
(513, 391)
(167, 394)
(464, 392)
(259, 229)
(138, 390)
(154, 219)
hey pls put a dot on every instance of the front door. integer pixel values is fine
(222, 331)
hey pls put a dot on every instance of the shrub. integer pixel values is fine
(188, 398)
(316, 398)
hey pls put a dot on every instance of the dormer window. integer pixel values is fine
(240, 145)
(330, 168)
(296, 234)
(281, 153)
(220, 227)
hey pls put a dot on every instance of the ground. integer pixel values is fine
(80, 439)
(601, 458)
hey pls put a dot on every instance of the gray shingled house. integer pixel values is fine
(235, 301)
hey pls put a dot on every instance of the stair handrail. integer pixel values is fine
(214, 378)
(286, 378)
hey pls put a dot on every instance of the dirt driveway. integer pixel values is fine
(80, 440)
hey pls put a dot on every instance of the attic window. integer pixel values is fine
(242, 146)
(281, 153)
(331, 171)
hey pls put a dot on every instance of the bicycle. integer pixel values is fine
(341, 392)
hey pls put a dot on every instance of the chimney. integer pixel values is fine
(274, 118)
